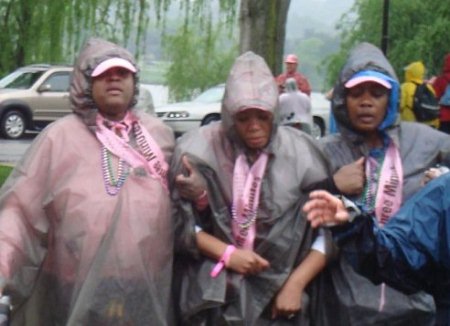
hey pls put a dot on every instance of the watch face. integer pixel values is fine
(352, 208)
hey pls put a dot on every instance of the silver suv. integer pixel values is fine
(33, 96)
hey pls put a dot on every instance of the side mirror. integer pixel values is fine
(44, 88)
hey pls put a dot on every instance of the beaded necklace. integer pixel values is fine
(246, 191)
(113, 184)
(370, 190)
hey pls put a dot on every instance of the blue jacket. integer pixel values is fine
(412, 251)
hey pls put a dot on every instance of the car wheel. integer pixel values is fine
(12, 125)
(210, 118)
(318, 128)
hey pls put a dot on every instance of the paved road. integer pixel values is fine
(12, 150)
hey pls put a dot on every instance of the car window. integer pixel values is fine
(59, 82)
(20, 79)
(211, 95)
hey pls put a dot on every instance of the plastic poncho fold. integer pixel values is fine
(70, 254)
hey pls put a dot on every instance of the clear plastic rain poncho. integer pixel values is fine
(70, 253)
(283, 235)
(295, 106)
(353, 299)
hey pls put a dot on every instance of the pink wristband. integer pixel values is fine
(223, 261)
(202, 201)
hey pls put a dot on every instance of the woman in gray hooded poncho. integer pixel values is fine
(85, 228)
(380, 162)
(244, 247)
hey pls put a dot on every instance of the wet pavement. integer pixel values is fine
(11, 151)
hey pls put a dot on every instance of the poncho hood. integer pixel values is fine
(368, 59)
(414, 72)
(249, 84)
(94, 52)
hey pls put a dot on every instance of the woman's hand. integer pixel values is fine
(350, 178)
(324, 208)
(433, 173)
(288, 301)
(247, 262)
(192, 185)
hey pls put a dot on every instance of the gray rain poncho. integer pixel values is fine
(70, 254)
(354, 300)
(283, 235)
(295, 106)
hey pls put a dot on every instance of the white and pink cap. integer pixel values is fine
(111, 63)
(364, 79)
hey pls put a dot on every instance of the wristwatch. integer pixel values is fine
(352, 209)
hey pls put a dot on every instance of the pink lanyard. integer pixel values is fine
(246, 190)
(388, 193)
(390, 185)
(150, 155)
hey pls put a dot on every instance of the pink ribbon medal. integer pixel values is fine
(246, 189)
(390, 185)
(149, 155)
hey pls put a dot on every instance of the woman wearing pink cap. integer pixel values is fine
(85, 227)
(379, 162)
(246, 253)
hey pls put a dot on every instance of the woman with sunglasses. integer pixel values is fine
(379, 163)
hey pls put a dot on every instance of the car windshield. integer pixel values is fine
(20, 79)
(211, 95)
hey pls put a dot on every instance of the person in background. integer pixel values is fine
(86, 235)
(378, 162)
(291, 63)
(332, 126)
(295, 107)
(246, 255)
(441, 86)
(414, 76)
(411, 252)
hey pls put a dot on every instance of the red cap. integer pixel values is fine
(291, 58)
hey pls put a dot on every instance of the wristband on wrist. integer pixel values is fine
(202, 201)
(223, 261)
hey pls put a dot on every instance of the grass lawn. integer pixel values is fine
(5, 170)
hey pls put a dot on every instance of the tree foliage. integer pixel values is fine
(418, 30)
(198, 59)
(52, 31)
(196, 50)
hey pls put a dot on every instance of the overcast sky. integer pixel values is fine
(327, 12)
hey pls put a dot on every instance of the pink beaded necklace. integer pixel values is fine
(147, 155)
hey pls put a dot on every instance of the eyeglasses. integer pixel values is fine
(375, 90)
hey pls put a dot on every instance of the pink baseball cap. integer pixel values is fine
(364, 79)
(111, 63)
(257, 107)
(291, 58)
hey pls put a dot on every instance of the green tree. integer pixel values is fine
(200, 59)
(52, 31)
(201, 55)
(418, 30)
